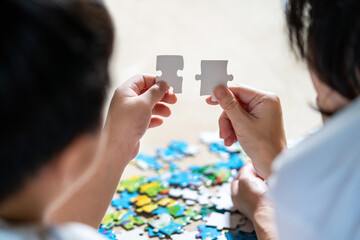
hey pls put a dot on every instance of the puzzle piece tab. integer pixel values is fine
(213, 74)
(169, 65)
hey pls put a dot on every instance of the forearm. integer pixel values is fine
(89, 204)
(264, 223)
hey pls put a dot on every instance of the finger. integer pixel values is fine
(169, 98)
(141, 82)
(155, 93)
(230, 140)
(225, 126)
(210, 101)
(230, 104)
(246, 94)
(155, 122)
(161, 110)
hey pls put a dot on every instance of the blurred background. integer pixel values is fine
(251, 34)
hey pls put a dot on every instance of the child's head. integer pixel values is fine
(54, 57)
(327, 35)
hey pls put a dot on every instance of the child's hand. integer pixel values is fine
(247, 191)
(133, 110)
(254, 118)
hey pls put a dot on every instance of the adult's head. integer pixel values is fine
(54, 57)
(326, 33)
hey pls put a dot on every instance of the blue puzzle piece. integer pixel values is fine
(208, 233)
(185, 179)
(240, 236)
(124, 200)
(172, 228)
(168, 155)
(183, 147)
(110, 234)
(160, 210)
(152, 233)
(217, 147)
(146, 161)
(235, 161)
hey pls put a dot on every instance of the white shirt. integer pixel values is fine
(70, 231)
(316, 185)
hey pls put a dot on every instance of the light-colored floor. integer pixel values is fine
(251, 34)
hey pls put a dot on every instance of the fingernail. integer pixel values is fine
(162, 85)
(220, 92)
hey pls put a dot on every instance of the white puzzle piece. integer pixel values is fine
(213, 74)
(133, 234)
(224, 220)
(185, 236)
(222, 200)
(169, 66)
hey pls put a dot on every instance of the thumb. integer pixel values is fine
(229, 103)
(155, 93)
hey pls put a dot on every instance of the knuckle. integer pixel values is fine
(231, 105)
(272, 97)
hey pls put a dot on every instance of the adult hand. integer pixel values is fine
(254, 118)
(135, 107)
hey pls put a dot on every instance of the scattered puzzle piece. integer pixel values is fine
(140, 200)
(183, 148)
(185, 236)
(185, 179)
(133, 234)
(152, 188)
(168, 154)
(240, 236)
(176, 209)
(132, 184)
(147, 162)
(171, 228)
(224, 220)
(148, 208)
(124, 200)
(208, 233)
(108, 233)
(222, 200)
(213, 74)
(160, 221)
(152, 233)
(165, 201)
(169, 66)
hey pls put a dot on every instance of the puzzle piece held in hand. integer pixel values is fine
(213, 74)
(169, 65)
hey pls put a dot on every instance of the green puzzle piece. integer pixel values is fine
(151, 189)
(132, 184)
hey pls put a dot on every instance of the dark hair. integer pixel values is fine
(326, 33)
(54, 57)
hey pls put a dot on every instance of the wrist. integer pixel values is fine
(264, 221)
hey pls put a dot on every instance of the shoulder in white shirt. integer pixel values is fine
(316, 185)
(69, 231)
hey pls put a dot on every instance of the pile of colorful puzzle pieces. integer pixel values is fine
(163, 205)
